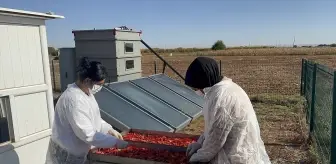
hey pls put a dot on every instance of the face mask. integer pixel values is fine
(199, 93)
(206, 90)
(95, 89)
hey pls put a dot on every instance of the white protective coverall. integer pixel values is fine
(231, 134)
(77, 128)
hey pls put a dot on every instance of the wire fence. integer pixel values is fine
(318, 87)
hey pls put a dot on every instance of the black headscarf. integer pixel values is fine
(203, 72)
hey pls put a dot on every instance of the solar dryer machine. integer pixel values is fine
(128, 100)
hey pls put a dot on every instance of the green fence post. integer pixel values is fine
(305, 78)
(312, 107)
(333, 128)
(302, 74)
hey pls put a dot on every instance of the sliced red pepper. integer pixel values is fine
(157, 139)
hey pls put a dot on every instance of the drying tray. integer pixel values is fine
(95, 158)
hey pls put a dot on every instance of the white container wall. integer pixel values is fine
(25, 86)
(117, 50)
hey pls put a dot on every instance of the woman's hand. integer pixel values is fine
(192, 148)
(121, 144)
(115, 134)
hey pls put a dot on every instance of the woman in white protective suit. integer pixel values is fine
(78, 126)
(231, 132)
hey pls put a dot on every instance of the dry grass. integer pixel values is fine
(270, 52)
(184, 50)
(283, 128)
(252, 51)
(256, 74)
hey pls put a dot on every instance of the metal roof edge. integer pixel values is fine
(100, 30)
(22, 13)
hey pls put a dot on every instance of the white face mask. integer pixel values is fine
(206, 90)
(199, 93)
(95, 89)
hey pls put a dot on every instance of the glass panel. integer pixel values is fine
(168, 96)
(179, 88)
(128, 47)
(127, 113)
(129, 64)
(154, 106)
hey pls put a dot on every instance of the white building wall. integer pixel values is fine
(25, 154)
(20, 59)
(22, 66)
(32, 113)
(25, 80)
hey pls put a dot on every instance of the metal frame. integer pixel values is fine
(333, 126)
(163, 60)
(302, 77)
(306, 64)
(165, 63)
(313, 98)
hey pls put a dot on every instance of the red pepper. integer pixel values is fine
(156, 139)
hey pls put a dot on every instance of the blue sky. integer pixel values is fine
(193, 23)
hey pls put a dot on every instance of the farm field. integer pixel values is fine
(249, 51)
(257, 70)
(256, 74)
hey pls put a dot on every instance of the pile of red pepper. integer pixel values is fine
(151, 154)
(147, 154)
(157, 139)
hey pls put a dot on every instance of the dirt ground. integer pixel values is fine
(256, 74)
(283, 129)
